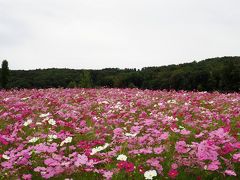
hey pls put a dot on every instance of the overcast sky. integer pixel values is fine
(95, 34)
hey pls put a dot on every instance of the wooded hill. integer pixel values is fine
(222, 74)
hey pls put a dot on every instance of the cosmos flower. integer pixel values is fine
(173, 173)
(65, 141)
(122, 157)
(4, 156)
(51, 137)
(130, 135)
(44, 115)
(33, 140)
(26, 123)
(230, 173)
(150, 174)
(52, 122)
(99, 148)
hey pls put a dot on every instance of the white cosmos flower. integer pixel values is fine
(25, 98)
(51, 137)
(4, 156)
(122, 157)
(52, 122)
(67, 140)
(94, 151)
(150, 174)
(26, 123)
(172, 101)
(33, 140)
(130, 135)
(99, 148)
(181, 127)
(44, 115)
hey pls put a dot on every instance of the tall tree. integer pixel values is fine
(86, 80)
(5, 73)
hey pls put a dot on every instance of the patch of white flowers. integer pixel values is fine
(99, 148)
(44, 115)
(67, 140)
(181, 127)
(122, 157)
(25, 98)
(4, 156)
(52, 122)
(172, 101)
(26, 123)
(130, 135)
(150, 174)
(52, 137)
(33, 140)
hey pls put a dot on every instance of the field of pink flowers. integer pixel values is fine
(119, 134)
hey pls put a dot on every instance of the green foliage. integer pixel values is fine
(72, 84)
(85, 80)
(4, 74)
(222, 74)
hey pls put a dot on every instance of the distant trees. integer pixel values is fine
(85, 79)
(72, 84)
(222, 74)
(4, 74)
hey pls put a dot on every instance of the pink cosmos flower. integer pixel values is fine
(121, 164)
(118, 131)
(230, 173)
(107, 174)
(149, 122)
(173, 173)
(128, 166)
(199, 135)
(174, 166)
(207, 151)
(213, 166)
(164, 136)
(141, 169)
(185, 132)
(236, 145)
(228, 148)
(51, 162)
(158, 150)
(27, 176)
(3, 141)
(81, 160)
(236, 157)
(181, 147)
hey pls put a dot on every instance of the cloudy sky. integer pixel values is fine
(116, 33)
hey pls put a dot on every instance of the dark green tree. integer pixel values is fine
(85, 80)
(72, 84)
(5, 74)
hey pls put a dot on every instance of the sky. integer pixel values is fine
(96, 34)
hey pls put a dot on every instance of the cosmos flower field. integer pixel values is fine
(119, 134)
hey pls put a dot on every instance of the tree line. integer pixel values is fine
(215, 74)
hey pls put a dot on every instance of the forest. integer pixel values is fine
(215, 74)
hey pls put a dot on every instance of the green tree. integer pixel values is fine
(72, 84)
(85, 80)
(5, 74)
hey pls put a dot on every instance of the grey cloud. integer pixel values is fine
(113, 33)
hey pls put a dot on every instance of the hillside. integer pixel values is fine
(222, 74)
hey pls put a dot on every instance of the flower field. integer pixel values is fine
(119, 134)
